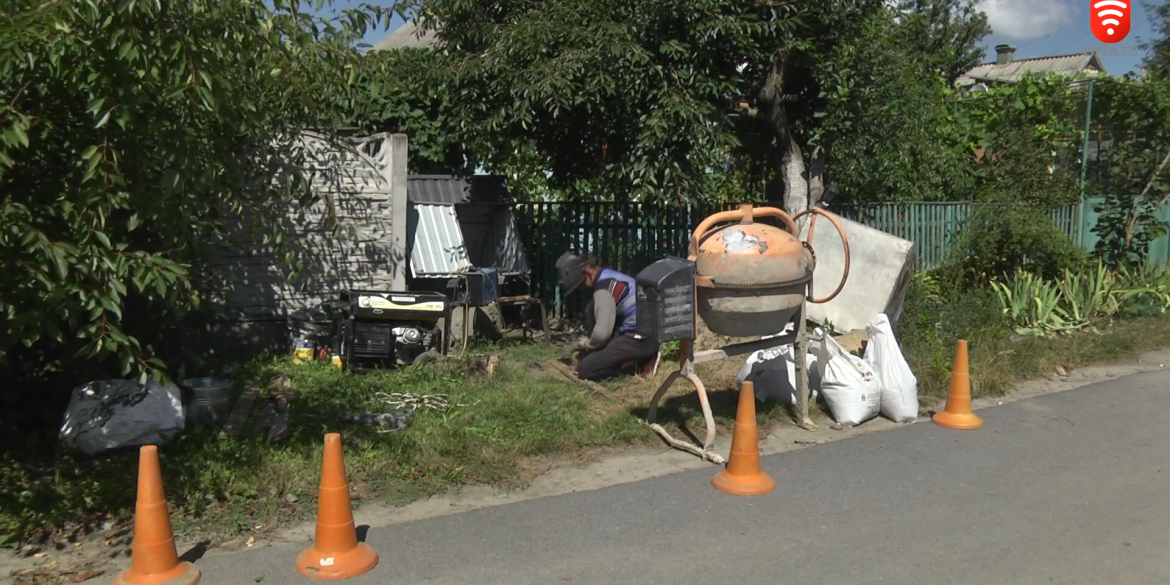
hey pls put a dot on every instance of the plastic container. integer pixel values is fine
(210, 400)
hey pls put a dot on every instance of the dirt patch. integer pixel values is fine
(707, 339)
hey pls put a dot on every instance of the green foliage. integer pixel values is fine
(406, 92)
(935, 314)
(1075, 301)
(1147, 289)
(1132, 174)
(885, 124)
(999, 239)
(129, 129)
(493, 424)
(642, 99)
(1012, 131)
(1157, 60)
(944, 34)
(633, 94)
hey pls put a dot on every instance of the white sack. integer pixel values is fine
(899, 387)
(772, 371)
(849, 384)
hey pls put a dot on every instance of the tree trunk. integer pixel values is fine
(793, 191)
(816, 177)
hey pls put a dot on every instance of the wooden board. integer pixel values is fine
(240, 412)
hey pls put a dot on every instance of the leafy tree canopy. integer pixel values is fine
(126, 126)
(645, 99)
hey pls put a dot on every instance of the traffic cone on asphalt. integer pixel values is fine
(153, 558)
(336, 552)
(958, 413)
(743, 476)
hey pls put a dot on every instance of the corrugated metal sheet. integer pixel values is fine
(438, 249)
(493, 238)
(509, 254)
(451, 190)
(407, 36)
(1087, 63)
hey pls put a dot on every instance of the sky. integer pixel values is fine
(1037, 28)
(1040, 28)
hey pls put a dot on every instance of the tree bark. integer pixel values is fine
(816, 177)
(793, 192)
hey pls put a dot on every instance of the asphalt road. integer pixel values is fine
(1067, 488)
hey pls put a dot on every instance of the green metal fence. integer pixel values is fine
(933, 226)
(630, 236)
(625, 236)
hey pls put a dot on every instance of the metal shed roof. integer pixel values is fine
(452, 190)
(438, 248)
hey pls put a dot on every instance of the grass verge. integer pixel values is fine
(496, 427)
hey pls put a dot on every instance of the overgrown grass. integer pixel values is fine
(936, 315)
(496, 426)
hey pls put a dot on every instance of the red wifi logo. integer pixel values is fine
(1109, 20)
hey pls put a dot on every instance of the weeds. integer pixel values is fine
(1034, 306)
(495, 425)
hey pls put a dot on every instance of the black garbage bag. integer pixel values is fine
(111, 414)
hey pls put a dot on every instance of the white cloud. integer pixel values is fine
(1024, 20)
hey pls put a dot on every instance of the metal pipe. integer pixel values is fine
(1085, 147)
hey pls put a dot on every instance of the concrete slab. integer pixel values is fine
(880, 269)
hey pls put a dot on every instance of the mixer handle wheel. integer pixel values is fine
(745, 214)
(844, 244)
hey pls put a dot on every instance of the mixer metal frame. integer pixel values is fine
(799, 337)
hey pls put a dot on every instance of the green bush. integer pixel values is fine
(1081, 300)
(935, 314)
(1000, 239)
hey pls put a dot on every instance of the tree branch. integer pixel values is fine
(1131, 227)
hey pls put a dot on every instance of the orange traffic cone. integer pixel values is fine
(743, 476)
(153, 558)
(958, 413)
(336, 552)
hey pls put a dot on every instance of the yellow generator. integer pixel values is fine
(382, 330)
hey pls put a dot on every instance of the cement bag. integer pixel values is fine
(849, 384)
(111, 414)
(772, 372)
(899, 387)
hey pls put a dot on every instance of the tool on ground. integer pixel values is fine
(743, 476)
(153, 558)
(743, 279)
(336, 552)
(958, 413)
(416, 401)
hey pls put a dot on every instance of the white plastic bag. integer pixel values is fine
(899, 387)
(849, 384)
(772, 372)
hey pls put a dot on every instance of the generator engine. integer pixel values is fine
(381, 330)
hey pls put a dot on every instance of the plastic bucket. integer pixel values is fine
(210, 400)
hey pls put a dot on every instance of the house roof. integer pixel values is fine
(1015, 70)
(453, 190)
(407, 36)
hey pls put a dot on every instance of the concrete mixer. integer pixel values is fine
(743, 279)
